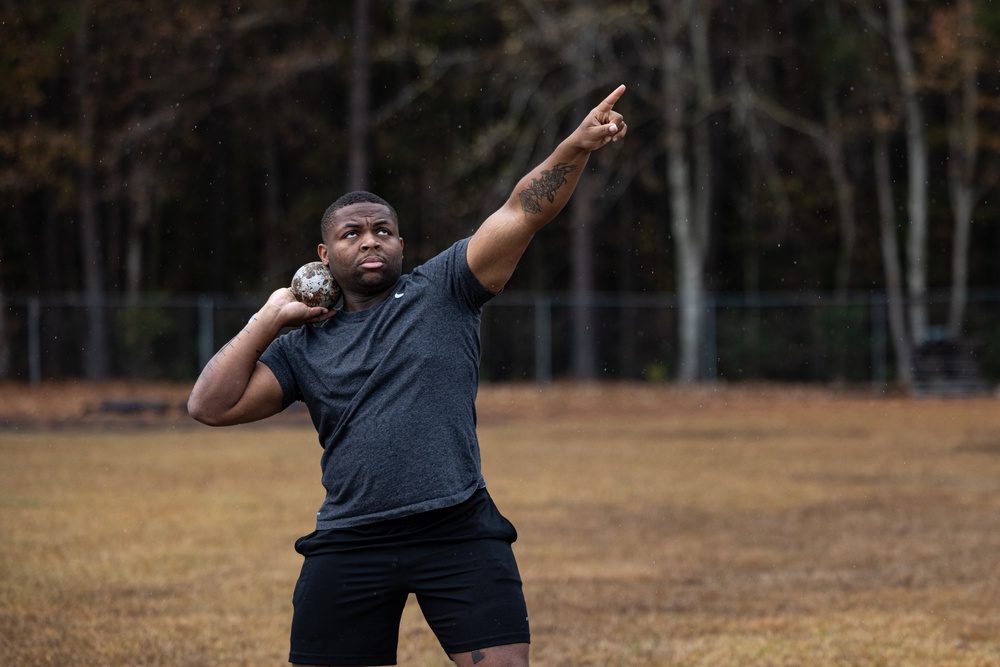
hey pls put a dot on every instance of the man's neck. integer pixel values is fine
(356, 302)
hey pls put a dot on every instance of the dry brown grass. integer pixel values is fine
(753, 526)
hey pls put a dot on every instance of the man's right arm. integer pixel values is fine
(236, 388)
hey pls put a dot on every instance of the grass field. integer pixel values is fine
(722, 527)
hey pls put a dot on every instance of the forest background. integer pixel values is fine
(823, 146)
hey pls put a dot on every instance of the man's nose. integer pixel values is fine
(370, 240)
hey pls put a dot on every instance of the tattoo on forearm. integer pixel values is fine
(544, 187)
(210, 366)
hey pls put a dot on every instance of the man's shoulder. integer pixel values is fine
(453, 253)
(450, 269)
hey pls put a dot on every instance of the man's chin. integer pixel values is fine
(375, 282)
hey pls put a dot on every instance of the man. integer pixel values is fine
(390, 381)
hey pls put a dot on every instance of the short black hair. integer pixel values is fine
(355, 197)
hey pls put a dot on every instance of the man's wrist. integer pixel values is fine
(268, 317)
(575, 147)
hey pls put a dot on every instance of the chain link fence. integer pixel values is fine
(527, 336)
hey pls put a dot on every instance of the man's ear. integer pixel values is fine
(323, 254)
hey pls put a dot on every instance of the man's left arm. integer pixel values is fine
(496, 247)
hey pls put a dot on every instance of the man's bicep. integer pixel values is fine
(496, 248)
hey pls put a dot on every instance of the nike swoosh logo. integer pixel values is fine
(398, 295)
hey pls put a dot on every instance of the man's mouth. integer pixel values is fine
(372, 263)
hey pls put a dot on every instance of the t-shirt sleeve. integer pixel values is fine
(275, 357)
(453, 267)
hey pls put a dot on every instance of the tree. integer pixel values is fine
(917, 169)
(224, 129)
(581, 214)
(97, 358)
(358, 177)
(890, 248)
(687, 101)
(955, 53)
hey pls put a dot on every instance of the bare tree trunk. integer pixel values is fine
(140, 184)
(584, 336)
(962, 203)
(702, 157)
(221, 165)
(890, 259)
(962, 141)
(581, 221)
(96, 358)
(4, 338)
(358, 177)
(276, 257)
(916, 147)
(689, 205)
(833, 148)
(628, 322)
(219, 124)
(702, 163)
(678, 181)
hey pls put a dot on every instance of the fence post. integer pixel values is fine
(206, 330)
(34, 341)
(543, 339)
(879, 347)
(710, 350)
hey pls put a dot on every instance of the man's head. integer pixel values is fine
(362, 247)
(356, 197)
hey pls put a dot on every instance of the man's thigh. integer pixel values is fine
(470, 593)
(347, 609)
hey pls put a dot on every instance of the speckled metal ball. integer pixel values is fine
(313, 285)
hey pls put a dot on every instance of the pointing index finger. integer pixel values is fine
(609, 101)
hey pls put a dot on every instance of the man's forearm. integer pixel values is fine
(542, 193)
(225, 377)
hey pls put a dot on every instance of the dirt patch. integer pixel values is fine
(710, 527)
(114, 404)
(122, 404)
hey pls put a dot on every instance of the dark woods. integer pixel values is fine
(805, 145)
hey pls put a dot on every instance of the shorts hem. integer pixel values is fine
(359, 661)
(489, 642)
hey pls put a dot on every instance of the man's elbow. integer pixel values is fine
(201, 412)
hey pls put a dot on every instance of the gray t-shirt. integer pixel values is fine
(392, 392)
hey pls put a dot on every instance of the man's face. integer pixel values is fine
(363, 248)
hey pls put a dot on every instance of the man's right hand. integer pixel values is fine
(291, 312)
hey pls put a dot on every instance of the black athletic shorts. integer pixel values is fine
(355, 581)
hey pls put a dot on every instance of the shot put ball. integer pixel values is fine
(313, 285)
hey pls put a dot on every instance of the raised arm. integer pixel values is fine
(234, 387)
(498, 244)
